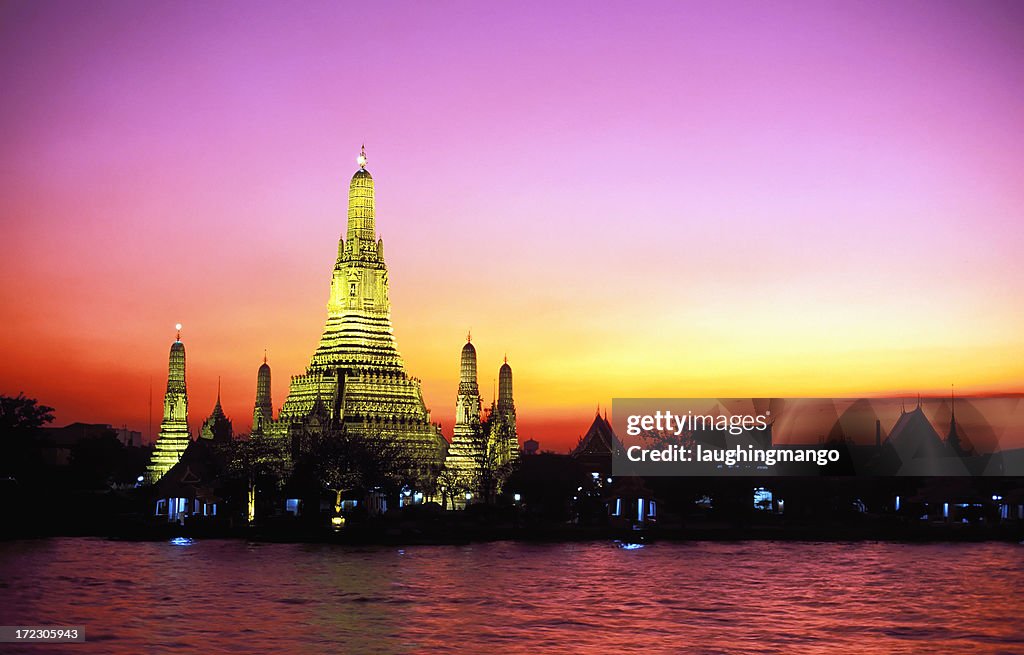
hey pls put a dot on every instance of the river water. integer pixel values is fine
(747, 597)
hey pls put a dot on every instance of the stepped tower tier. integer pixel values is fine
(356, 379)
(173, 438)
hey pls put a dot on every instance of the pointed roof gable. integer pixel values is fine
(600, 440)
(913, 435)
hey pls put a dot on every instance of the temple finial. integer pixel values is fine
(177, 326)
(952, 404)
(469, 336)
(264, 355)
(506, 358)
(361, 159)
(218, 389)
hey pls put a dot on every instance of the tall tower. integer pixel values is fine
(263, 413)
(467, 451)
(505, 404)
(356, 379)
(502, 439)
(467, 406)
(173, 438)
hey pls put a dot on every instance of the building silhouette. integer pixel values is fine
(217, 427)
(597, 447)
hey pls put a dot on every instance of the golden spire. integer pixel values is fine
(361, 159)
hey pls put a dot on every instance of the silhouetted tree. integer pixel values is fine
(451, 486)
(20, 421)
(256, 462)
(344, 461)
(21, 417)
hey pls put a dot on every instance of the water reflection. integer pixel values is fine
(751, 597)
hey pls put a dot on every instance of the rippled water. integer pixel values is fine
(752, 597)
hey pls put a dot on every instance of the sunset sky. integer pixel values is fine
(629, 199)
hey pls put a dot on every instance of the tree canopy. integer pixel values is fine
(22, 416)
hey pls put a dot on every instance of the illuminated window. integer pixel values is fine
(762, 499)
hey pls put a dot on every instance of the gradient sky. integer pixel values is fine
(630, 199)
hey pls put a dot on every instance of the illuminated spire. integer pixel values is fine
(467, 370)
(174, 436)
(263, 412)
(361, 203)
(468, 448)
(505, 403)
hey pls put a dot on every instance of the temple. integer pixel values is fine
(173, 438)
(356, 380)
(597, 447)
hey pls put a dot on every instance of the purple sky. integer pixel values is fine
(631, 199)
